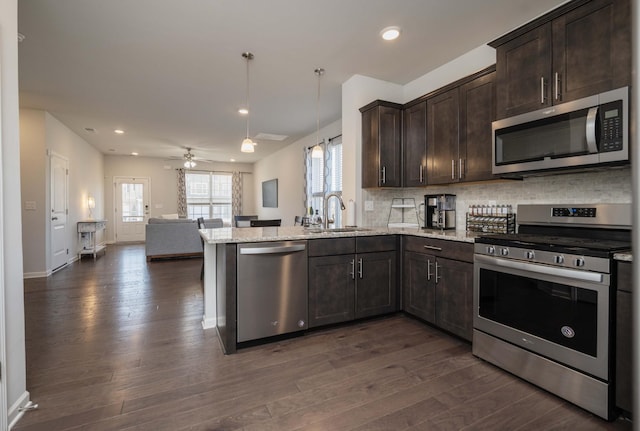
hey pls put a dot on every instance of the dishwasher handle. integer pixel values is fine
(273, 250)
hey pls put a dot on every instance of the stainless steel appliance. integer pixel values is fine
(440, 211)
(585, 132)
(544, 299)
(271, 289)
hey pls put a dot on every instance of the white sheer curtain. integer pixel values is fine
(324, 175)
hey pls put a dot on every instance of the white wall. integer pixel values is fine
(163, 183)
(33, 167)
(357, 92)
(287, 165)
(14, 370)
(42, 134)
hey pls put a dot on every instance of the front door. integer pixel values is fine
(131, 208)
(59, 171)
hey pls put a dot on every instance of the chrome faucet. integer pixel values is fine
(325, 208)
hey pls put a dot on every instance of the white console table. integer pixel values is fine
(87, 233)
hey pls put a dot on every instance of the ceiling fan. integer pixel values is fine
(188, 159)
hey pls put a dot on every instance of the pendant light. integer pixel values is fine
(316, 151)
(247, 143)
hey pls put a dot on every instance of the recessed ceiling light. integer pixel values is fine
(232, 160)
(243, 111)
(390, 33)
(134, 154)
(118, 131)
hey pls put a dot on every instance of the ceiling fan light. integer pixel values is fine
(247, 146)
(189, 164)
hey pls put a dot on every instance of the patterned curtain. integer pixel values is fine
(182, 194)
(236, 194)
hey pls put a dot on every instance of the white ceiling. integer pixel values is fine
(170, 73)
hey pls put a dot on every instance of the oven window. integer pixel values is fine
(562, 314)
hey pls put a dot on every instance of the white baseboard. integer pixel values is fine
(208, 323)
(36, 274)
(14, 411)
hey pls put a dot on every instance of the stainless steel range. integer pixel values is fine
(544, 299)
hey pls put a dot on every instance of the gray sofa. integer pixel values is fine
(175, 237)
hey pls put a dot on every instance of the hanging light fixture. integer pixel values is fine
(247, 144)
(316, 151)
(188, 160)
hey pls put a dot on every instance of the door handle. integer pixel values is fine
(353, 269)
(543, 97)
(438, 277)
(54, 218)
(592, 117)
(453, 169)
(421, 173)
(360, 268)
(460, 168)
(383, 179)
(558, 95)
(429, 270)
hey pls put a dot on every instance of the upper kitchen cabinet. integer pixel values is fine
(579, 49)
(414, 168)
(459, 130)
(442, 137)
(381, 140)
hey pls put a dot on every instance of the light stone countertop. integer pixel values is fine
(625, 257)
(290, 233)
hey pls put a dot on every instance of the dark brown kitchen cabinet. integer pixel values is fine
(436, 287)
(459, 131)
(376, 284)
(381, 140)
(623, 337)
(414, 144)
(477, 111)
(580, 49)
(351, 278)
(442, 137)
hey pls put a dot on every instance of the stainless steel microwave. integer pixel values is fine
(585, 132)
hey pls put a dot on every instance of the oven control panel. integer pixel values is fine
(573, 212)
(542, 257)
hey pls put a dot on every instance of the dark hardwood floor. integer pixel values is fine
(117, 344)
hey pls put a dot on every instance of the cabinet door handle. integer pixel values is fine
(433, 247)
(558, 95)
(54, 218)
(453, 169)
(384, 175)
(438, 277)
(429, 270)
(421, 173)
(543, 98)
(460, 169)
(353, 269)
(360, 268)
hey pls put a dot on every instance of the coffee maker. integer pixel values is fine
(440, 211)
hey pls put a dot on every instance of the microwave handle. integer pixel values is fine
(592, 117)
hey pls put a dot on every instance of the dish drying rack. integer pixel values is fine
(399, 209)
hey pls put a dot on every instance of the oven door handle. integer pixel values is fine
(539, 269)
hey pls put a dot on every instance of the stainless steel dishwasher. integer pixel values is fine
(271, 288)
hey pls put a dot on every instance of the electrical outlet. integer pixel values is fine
(368, 205)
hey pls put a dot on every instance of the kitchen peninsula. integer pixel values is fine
(383, 243)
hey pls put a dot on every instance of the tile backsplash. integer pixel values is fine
(602, 186)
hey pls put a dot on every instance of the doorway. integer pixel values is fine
(59, 172)
(131, 208)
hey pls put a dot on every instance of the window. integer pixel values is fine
(324, 175)
(209, 195)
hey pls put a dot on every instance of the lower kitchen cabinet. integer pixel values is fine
(376, 284)
(436, 288)
(331, 290)
(345, 284)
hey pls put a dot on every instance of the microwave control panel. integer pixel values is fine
(611, 133)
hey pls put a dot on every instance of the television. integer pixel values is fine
(270, 193)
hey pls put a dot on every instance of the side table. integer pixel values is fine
(87, 233)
